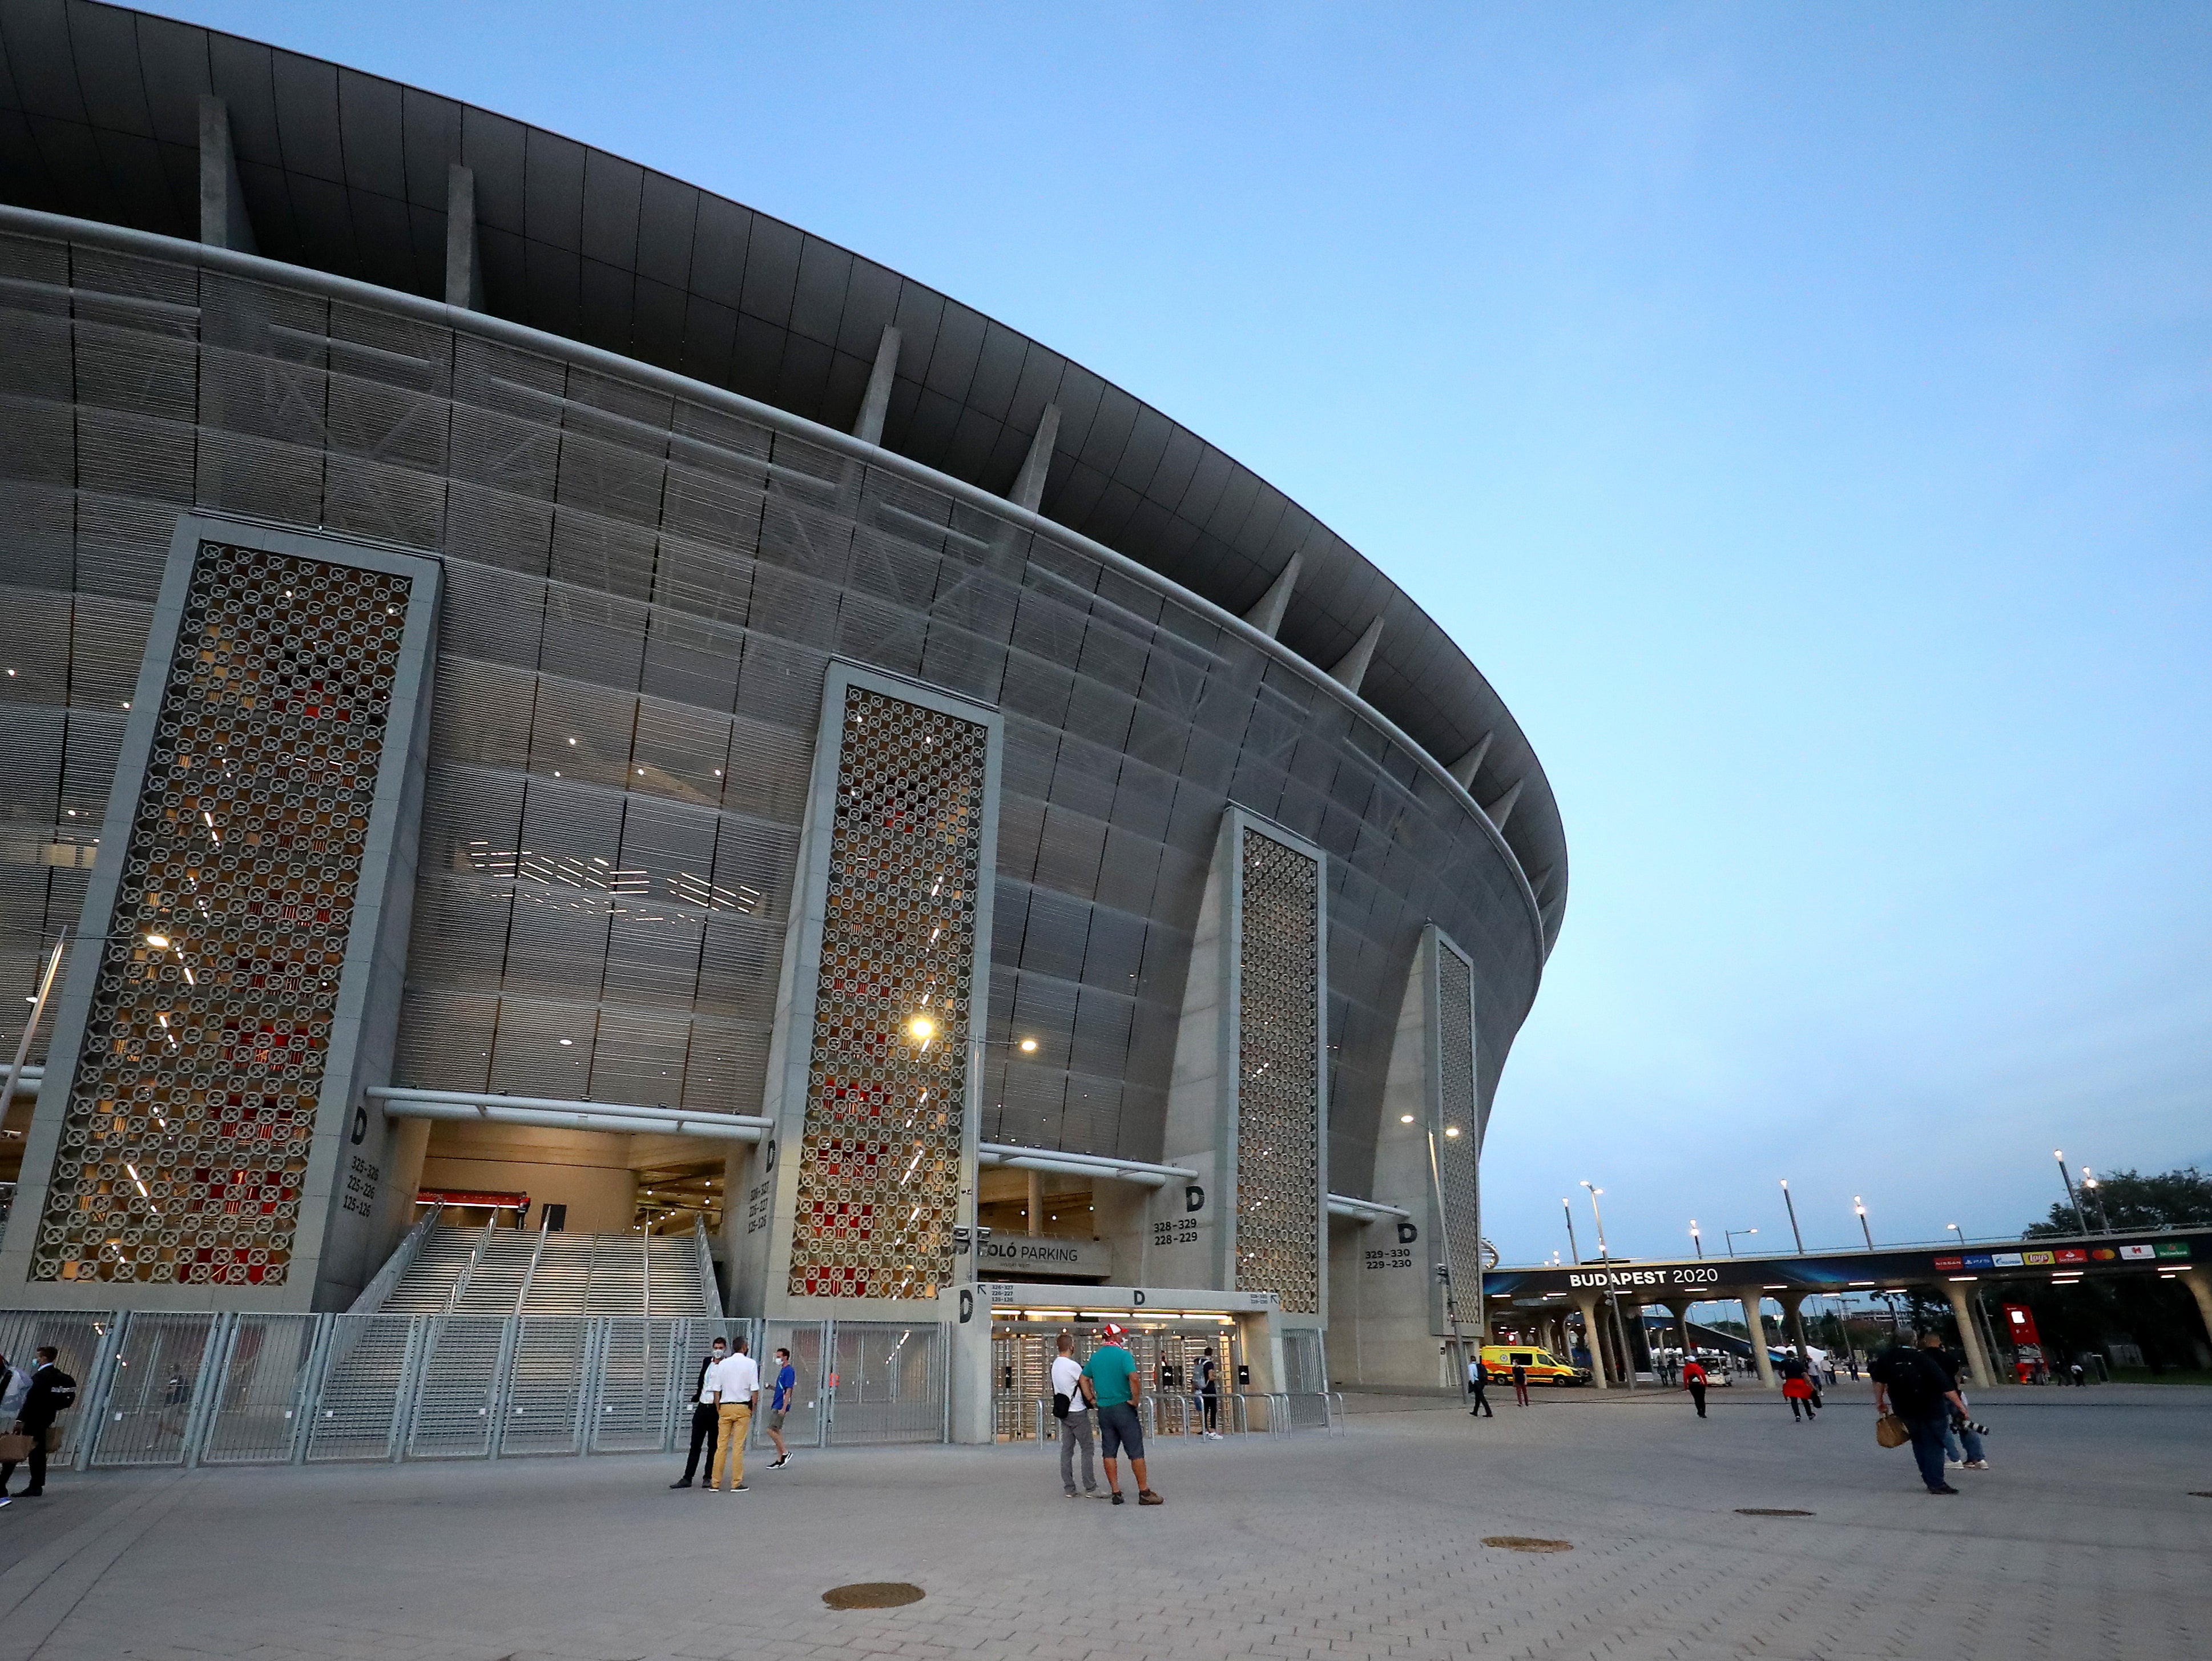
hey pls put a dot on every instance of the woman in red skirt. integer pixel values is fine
(1797, 1386)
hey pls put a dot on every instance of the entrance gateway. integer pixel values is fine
(1169, 1331)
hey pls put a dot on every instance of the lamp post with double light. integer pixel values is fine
(1859, 1205)
(2072, 1198)
(1612, 1296)
(1697, 1240)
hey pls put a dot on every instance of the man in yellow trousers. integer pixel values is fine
(733, 1386)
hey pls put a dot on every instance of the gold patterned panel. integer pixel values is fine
(1278, 1075)
(1455, 1152)
(184, 1141)
(879, 1160)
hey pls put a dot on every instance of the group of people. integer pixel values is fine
(1924, 1384)
(31, 1399)
(1477, 1385)
(1110, 1387)
(722, 1404)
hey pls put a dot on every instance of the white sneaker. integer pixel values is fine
(1977, 1464)
(1954, 1464)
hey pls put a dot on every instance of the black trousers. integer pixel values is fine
(1481, 1399)
(38, 1463)
(704, 1420)
(1212, 1400)
(1698, 1395)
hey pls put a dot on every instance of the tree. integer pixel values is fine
(2129, 1200)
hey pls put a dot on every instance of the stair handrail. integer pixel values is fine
(469, 1269)
(546, 1222)
(645, 1251)
(397, 1265)
(700, 1243)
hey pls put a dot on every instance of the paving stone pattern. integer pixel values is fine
(2083, 1541)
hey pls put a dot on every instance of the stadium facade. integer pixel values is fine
(534, 687)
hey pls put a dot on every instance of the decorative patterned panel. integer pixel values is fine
(184, 1140)
(1456, 1103)
(879, 1164)
(1278, 1075)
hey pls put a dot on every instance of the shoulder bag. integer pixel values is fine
(1890, 1431)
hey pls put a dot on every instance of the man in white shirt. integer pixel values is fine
(732, 1388)
(1075, 1410)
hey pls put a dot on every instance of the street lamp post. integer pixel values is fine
(1859, 1205)
(1792, 1204)
(1611, 1296)
(1696, 1238)
(2072, 1198)
(1574, 1252)
(1732, 1232)
(2096, 1192)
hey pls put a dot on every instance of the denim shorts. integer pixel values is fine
(1118, 1429)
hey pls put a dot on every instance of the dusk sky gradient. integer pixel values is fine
(1803, 415)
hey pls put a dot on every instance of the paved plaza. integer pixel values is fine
(2084, 1540)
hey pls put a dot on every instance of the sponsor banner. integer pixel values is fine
(1950, 1263)
(1980, 1260)
(2035, 1259)
(2138, 1253)
(2005, 1259)
(2174, 1249)
(2072, 1255)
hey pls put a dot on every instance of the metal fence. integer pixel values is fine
(157, 1388)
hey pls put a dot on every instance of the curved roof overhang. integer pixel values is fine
(348, 174)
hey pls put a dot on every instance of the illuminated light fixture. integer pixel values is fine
(572, 741)
(1404, 1118)
(1451, 1130)
(1028, 1046)
(565, 1042)
(159, 942)
(921, 1029)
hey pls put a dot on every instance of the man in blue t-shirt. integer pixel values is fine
(787, 1381)
(1112, 1382)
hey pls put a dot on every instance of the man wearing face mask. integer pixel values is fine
(704, 1418)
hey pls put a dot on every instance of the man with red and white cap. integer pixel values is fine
(1115, 1387)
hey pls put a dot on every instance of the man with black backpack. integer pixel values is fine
(1073, 1408)
(52, 1393)
(1916, 1383)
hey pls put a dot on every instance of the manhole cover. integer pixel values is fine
(1525, 1543)
(872, 1595)
(1769, 1511)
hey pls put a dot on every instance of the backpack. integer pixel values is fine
(60, 1389)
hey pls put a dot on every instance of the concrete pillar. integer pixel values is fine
(223, 221)
(966, 1311)
(1036, 1202)
(2198, 1280)
(1792, 1303)
(463, 254)
(1979, 1362)
(1680, 1309)
(1593, 1330)
(1750, 1297)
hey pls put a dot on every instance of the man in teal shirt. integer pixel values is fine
(1111, 1380)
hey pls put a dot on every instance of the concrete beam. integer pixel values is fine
(1501, 810)
(463, 257)
(1029, 483)
(1268, 616)
(876, 402)
(1351, 669)
(223, 223)
(1464, 768)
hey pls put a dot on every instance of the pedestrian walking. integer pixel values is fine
(1797, 1388)
(51, 1393)
(703, 1417)
(1115, 1388)
(1478, 1376)
(1918, 1387)
(1209, 1391)
(779, 1404)
(1693, 1380)
(1962, 1437)
(1520, 1383)
(1073, 1408)
(733, 1386)
(15, 1385)
(1855, 1366)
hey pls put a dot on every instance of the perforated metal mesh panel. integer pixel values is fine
(1278, 1075)
(879, 1166)
(1457, 1154)
(184, 1141)
(664, 581)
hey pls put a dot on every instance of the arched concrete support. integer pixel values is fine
(1351, 669)
(1680, 1309)
(1501, 810)
(1979, 1360)
(1268, 616)
(1029, 483)
(1594, 1331)
(1792, 1303)
(876, 402)
(1465, 768)
(464, 258)
(2198, 1280)
(1750, 1297)
(223, 223)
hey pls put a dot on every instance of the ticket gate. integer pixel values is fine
(1167, 1351)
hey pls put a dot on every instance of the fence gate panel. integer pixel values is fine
(457, 1389)
(362, 1388)
(545, 1386)
(78, 1337)
(804, 1423)
(256, 1415)
(886, 1382)
(637, 1382)
(149, 1412)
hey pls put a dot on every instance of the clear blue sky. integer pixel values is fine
(1803, 415)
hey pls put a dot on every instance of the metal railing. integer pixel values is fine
(1279, 1413)
(160, 1388)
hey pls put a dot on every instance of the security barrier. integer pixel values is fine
(162, 1389)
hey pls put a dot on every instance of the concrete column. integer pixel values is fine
(463, 261)
(223, 221)
(966, 1311)
(2198, 1280)
(1036, 1202)
(1792, 1303)
(1979, 1360)
(1680, 1309)
(1750, 1297)
(1593, 1329)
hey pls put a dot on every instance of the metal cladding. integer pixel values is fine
(1279, 1083)
(657, 537)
